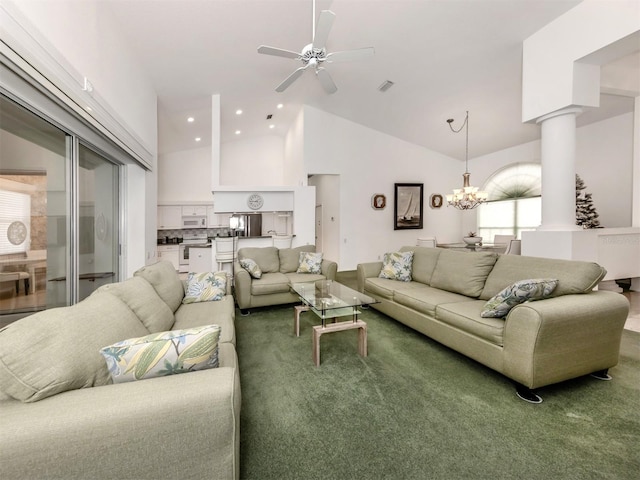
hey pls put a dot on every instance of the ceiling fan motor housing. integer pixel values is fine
(309, 53)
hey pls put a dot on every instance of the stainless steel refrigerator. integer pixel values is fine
(246, 224)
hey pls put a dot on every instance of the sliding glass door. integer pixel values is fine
(59, 215)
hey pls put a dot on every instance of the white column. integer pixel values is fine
(635, 205)
(558, 158)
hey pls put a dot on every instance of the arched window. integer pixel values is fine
(513, 203)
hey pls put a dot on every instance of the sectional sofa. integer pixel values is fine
(62, 417)
(574, 332)
(278, 270)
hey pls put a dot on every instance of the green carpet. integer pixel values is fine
(414, 409)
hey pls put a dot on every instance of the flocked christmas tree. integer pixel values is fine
(586, 215)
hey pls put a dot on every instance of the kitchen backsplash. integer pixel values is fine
(175, 236)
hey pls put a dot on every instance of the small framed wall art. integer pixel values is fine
(378, 201)
(408, 206)
(435, 200)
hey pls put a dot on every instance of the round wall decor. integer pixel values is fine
(378, 201)
(255, 201)
(17, 232)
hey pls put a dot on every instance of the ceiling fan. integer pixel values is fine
(315, 54)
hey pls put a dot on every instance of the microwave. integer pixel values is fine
(194, 221)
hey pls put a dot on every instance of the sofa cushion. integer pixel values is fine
(290, 257)
(397, 266)
(162, 354)
(573, 276)
(380, 287)
(165, 281)
(522, 291)
(425, 299)
(424, 263)
(310, 262)
(266, 257)
(462, 272)
(141, 297)
(205, 287)
(270, 283)
(221, 313)
(58, 349)
(304, 277)
(251, 266)
(465, 316)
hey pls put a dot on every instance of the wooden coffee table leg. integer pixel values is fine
(297, 310)
(317, 333)
(362, 340)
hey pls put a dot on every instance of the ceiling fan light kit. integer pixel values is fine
(314, 55)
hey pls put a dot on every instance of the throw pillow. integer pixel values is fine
(205, 287)
(523, 291)
(310, 263)
(252, 267)
(397, 266)
(164, 353)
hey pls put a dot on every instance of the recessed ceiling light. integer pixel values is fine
(198, 139)
(279, 106)
(191, 119)
(238, 112)
(272, 126)
(238, 132)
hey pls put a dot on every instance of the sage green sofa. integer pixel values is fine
(575, 332)
(278, 266)
(62, 417)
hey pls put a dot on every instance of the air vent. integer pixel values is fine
(386, 85)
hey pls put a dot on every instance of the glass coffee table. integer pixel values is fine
(331, 300)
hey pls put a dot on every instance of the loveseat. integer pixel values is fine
(62, 417)
(278, 269)
(575, 331)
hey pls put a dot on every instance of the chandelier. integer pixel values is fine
(467, 197)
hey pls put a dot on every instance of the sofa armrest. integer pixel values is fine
(329, 269)
(242, 285)
(181, 426)
(559, 338)
(367, 270)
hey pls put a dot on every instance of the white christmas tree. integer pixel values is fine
(586, 215)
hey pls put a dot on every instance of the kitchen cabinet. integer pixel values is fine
(169, 217)
(212, 217)
(170, 253)
(189, 210)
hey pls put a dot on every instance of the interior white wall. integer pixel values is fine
(604, 160)
(86, 36)
(185, 176)
(260, 158)
(370, 162)
(293, 173)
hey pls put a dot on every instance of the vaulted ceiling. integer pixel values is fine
(444, 57)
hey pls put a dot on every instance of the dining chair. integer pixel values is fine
(503, 239)
(427, 242)
(513, 248)
(282, 241)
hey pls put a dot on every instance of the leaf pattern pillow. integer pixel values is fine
(397, 266)
(522, 291)
(205, 287)
(252, 267)
(310, 263)
(164, 353)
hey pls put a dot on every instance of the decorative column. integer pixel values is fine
(558, 158)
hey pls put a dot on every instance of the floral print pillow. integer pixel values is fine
(397, 266)
(252, 267)
(164, 353)
(522, 291)
(310, 263)
(205, 287)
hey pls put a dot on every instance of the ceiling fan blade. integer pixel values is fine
(278, 52)
(325, 22)
(347, 55)
(326, 81)
(290, 79)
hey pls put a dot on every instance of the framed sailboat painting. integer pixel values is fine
(408, 204)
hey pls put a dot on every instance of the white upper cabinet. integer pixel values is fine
(189, 210)
(169, 217)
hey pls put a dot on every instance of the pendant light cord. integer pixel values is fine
(466, 151)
